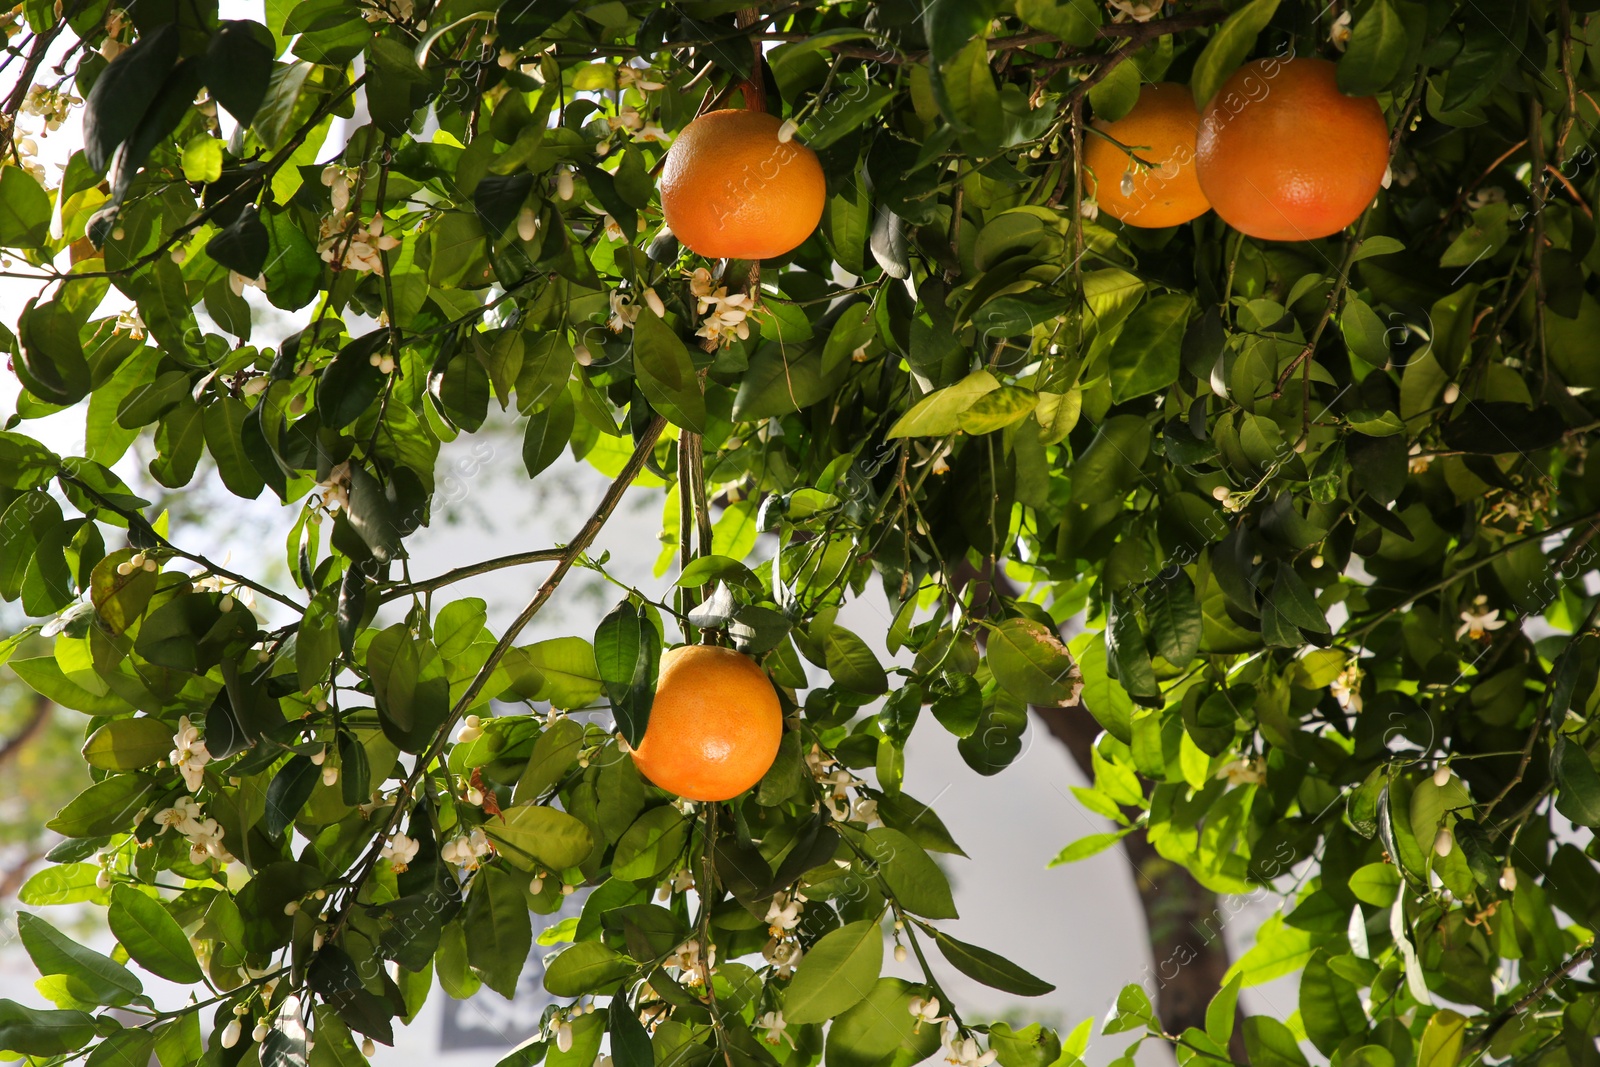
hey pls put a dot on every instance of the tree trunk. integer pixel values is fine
(1188, 955)
(1182, 920)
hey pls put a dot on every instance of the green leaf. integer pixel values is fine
(1441, 1039)
(990, 968)
(627, 652)
(653, 843)
(288, 792)
(123, 92)
(1375, 423)
(1084, 847)
(350, 383)
(1220, 1012)
(1295, 603)
(1376, 883)
(939, 413)
(45, 677)
(881, 1030)
(1330, 1005)
(43, 1033)
(666, 373)
(1074, 21)
(1271, 1044)
(630, 1042)
(1175, 620)
(152, 936)
(96, 978)
(836, 974)
(1364, 333)
(499, 930)
(852, 663)
(24, 462)
(1126, 658)
(239, 69)
(910, 873)
(223, 424)
(24, 210)
(52, 363)
(1228, 47)
(548, 432)
(1578, 784)
(1032, 664)
(107, 807)
(128, 744)
(567, 666)
(1117, 93)
(202, 159)
(1145, 356)
(586, 967)
(1376, 51)
(530, 833)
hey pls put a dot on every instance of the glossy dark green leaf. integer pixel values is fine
(989, 968)
(627, 651)
(152, 936)
(837, 973)
(666, 373)
(95, 978)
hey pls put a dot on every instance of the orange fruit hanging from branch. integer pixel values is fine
(1154, 185)
(1283, 155)
(714, 725)
(731, 190)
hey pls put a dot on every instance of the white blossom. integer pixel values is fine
(189, 754)
(1339, 32)
(1479, 622)
(400, 850)
(1242, 771)
(774, 1026)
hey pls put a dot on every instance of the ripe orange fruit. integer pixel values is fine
(1161, 131)
(1285, 156)
(731, 190)
(714, 726)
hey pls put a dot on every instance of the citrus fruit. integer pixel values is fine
(714, 726)
(1283, 155)
(1161, 131)
(731, 190)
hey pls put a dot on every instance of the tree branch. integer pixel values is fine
(471, 570)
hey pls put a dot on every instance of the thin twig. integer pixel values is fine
(133, 517)
(450, 577)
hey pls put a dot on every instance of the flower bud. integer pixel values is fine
(230, 1033)
(1444, 844)
(1441, 776)
(1508, 879)
(330, 776)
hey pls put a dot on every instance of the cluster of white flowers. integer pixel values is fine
(1243, 771)
(1479, 621)
(641, 78)
(783, 914)
(339, 180)
(467, 851)
(388, 10)
(1346, 688)
(1137, 10)
(693, 964)
(51, 105)
(400, 850)
(351, 247)
(204, 833)
(723, 315)
(963, 1051)
(112, 46)
(471, 730)
(334, 493)
(630, 121)
(839, 782)
(624, 312)
(680, 882)
(189, 754)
